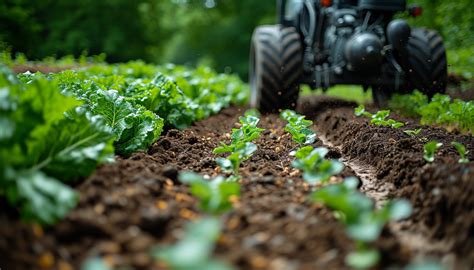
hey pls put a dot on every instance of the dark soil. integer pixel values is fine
(130, 206)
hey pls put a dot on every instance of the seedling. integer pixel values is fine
(430, 150)
(314, 165)
(215, 194)
(364, 223)
(195, 249)
(412, 132)
(241, 146)
(462, 152)
(379, 118)
(298, 127)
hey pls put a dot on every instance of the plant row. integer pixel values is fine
(216, 197)
(364, 223)
(441, 110)
(430, 148)
(59, 127)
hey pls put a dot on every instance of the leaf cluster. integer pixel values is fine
(316, 168)
(379, 118)
(298, 127)
(215, 194)
(462, 152)
(194, 251)
(46, 138)
(241, 146)
(441, 110)
(363, 222)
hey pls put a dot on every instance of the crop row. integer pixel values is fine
(441, 110)
(59, 127)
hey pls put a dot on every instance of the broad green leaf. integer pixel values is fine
(363, 259)
(41, 198)
(195, 249)
(430, 149)
(73, 147)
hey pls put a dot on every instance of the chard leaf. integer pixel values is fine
(135, 127)
(73, 147)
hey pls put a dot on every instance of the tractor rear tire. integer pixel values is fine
(427, 68)
(276, 67)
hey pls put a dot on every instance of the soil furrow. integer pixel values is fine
(390, 164)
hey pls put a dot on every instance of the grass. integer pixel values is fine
(347, 92)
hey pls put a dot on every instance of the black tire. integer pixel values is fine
(427, 68)
(275, 68)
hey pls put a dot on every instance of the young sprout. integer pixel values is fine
(215, 194)
(430, 150)
(379, 118)
(363, 222)
(241, 146)
(194, 251)
(314, 165)
(412, 132)
(298, 127)
(462, 152)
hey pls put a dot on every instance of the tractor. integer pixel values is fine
(323, 43)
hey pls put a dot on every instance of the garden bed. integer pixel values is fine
(128, 207)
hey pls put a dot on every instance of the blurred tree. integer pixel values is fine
(216, 32)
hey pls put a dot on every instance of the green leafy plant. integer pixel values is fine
(379, 118)
(314, 165)
(215, 194)
(441, 110)
(298, 127)
(430, 149)
(412, 132)
(47, 139)
(241, 146)
(462, 152)
(194, 251)
(363, 222)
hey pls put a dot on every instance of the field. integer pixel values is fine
(138, 210)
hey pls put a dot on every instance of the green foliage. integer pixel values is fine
(241, 146)
(298, 127)
(379, 118)
(412, 132)
(364, 223)
(441, 110)
(215, 194)
(49, 136)
(315, 167)
(462, 152)
(430, 149)
(47, 139)
(195, 249)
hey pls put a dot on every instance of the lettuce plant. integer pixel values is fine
(314, 165)
(462, 152)
(430, 149)
(298, 127)
(379, 118)
(363, 222)
(215, 194)
(241, 146)
(194, 251)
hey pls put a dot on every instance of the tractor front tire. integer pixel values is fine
(427, 68)
(276, 66)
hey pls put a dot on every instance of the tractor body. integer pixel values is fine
(322, 43)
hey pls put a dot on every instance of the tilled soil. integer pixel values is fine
(128, 207)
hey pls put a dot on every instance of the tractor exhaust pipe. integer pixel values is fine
(398, 33)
